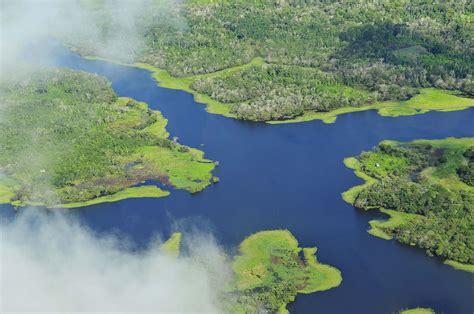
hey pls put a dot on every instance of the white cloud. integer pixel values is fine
(51, 263)
(111, 28)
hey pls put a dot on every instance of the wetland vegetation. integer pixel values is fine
(172, 245)
(269, 271)
(272, 269)
(418, 310)
(425, 186)
(296, 61)
(68, 140)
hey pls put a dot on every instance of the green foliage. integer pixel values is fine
(270, 272)
(466, 172)
(274, 92)
(133, 192)
(418, 310)
(460, 266)
(172, 245)
(319, 55)
(421, 179)
(67, 138)
(428, 99)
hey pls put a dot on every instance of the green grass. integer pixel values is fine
(166, 80)
(396, 219)
(172, 245)
(326, 117)
(429, 99)
(379, 164)
(133, 192)
(460, 266)
(322, 277)
(251, 265)
(445, 174)
(7, 189)
(350, 195)
(410, 54)
(269, 264)
(184, 170)
(418, 310)
(159, 127)
(268, 272)
(70, 140)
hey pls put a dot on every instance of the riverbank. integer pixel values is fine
(436, 164)
(133, 192)
(172, 245)
(89, 147)
(244, 215)
(418, 310)
(376, 226)
(166, 80)
(270, 272)
(428, 99)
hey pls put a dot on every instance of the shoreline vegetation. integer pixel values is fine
(172, 246)
(71, 142)
(418, 310)
(428, 99)
(286, 62)
(432, 168)
(269, 271)
(133, 192)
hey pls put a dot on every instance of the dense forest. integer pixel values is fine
(66, 137)
(466, 172)
(432, 179)
(318, 55)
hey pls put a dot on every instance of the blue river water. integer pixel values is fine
(289, 176)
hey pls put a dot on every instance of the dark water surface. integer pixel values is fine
(290, 176)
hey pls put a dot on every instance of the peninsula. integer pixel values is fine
(69, 141)
(426, 187)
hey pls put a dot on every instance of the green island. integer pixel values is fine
(269, 272)
(426, 187)
(172, 246)
(294, 61)
(69, 141)
(418, 310)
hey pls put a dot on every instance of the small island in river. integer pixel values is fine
(269, 271)
(69, 141)
(172, 245)
(418, 310)
(427, 189)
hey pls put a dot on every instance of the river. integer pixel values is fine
(289, 176)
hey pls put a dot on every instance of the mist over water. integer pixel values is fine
(49, 261)
(52, 263)
(108, 28)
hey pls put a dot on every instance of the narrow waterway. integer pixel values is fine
(290, 176)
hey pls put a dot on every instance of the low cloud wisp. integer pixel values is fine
(52, 263)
